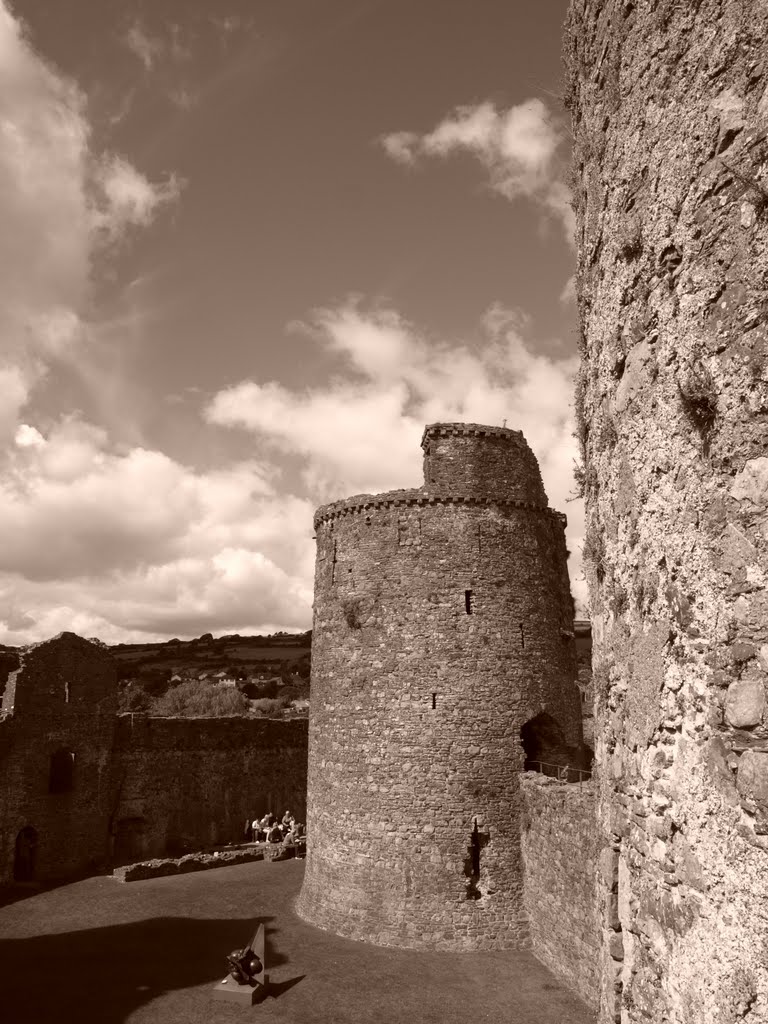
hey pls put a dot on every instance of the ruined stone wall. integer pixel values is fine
(561, 848)
(135, 787)
(61, 701)
(670, 114)
(443, 622)
(183, 784)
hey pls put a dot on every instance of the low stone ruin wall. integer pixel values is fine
(188, 784)
(159, 867)
(560, 852)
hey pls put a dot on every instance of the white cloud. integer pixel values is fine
(28, 437)
(61, 205)
(401, 146)
(15, 391)
(146, 47)
(58, 200)
(120, 543)
(568, 294)
(127, 198)
(518, 147)
(361, 432)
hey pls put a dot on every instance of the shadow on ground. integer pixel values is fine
(102, 952)
(105, 974)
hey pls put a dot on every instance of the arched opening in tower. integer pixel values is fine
(544, 746)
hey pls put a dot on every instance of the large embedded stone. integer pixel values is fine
(745, 702)
(752, 777)
(752, 482)
(635, 377)
(737, 550)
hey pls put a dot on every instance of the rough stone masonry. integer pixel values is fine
(669, 100)
(81, 786)
(443, 625)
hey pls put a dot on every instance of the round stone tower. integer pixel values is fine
(443, 626)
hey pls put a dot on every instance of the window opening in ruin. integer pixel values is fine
(469, 602)
(545, 746)
(62, 771)
(522, 637)
(434, 701)
(477, 842)
(25, 855)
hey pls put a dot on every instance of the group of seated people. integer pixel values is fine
(269, 830)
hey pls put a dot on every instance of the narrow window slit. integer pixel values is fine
(434, 701)
(522, 636)
(468, 602)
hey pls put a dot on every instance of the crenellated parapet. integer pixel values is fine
(363, 503)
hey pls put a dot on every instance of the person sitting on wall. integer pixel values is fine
(256, 831)
(298, 839)
(287, 826)
(275, 834)
(287, 819)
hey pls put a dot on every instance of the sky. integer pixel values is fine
(250, 249)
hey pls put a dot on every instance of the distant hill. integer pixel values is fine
(264, 674)
(244, 655)
(267, 670)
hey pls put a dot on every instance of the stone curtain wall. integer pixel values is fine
(183, 784)
(60, 701)
(670, 115)
(560, 861)
(443, 622)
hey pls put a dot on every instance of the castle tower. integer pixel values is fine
(443, 625)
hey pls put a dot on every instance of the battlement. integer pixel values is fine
(419, 496)
(468, 430)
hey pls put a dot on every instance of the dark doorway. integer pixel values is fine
(129, 840)
(61, 777)
(25, 857)
(544, 745)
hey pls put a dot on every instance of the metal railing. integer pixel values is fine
(563, 773)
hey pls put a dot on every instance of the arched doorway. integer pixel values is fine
(25, 857)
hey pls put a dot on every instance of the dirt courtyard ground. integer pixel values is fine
(102, 952)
